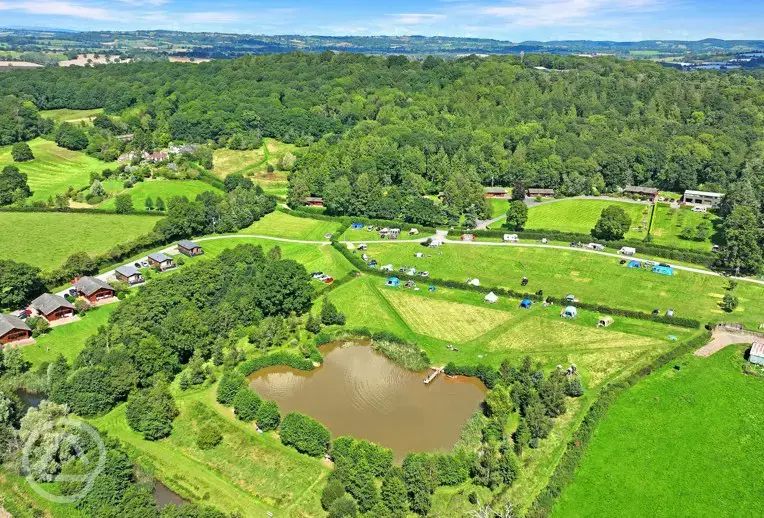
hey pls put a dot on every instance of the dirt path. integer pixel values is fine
(721, 338)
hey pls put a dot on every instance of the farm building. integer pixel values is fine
(605, 321)
(53, 307)
(663, 269)
(627, 250)
(526, 303)
(757, 353)
(161, 261)
(542, 193)
(189, 248)
(650, 193)
(634, 264)
(314, 201)
(128, 274)
(709, 199)
(511, 238)
(495, 192)
(393, 282)
(491, 298)
(13, 329)
(569, 312)
(93, 289)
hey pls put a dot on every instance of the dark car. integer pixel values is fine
(24, 314)
(524, 282)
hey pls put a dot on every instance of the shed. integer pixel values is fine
(53, 307)
(627, 250)
(605, 321)
(569, 312)
(189, 248)
(474, 282)
(757, 353)
(13, 329)
(511, 238)
(93, 289)
(393, 282)
(663, 270)
(634, 264)
(526, 303)
(491, 298)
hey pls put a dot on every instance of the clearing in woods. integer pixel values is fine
(154, 189)
(68, 115)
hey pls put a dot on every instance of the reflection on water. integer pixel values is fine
(361, 393)
(29, 399)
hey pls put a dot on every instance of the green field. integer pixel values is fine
(590, 277)
(363, 235)
(279, 224)
(164, 189)
(580, 216)
(668, 224)
(247, 473)
(499, 207)
(54, 169)
(680, 443)
(229, 161)
(67, 115)
(46, 239)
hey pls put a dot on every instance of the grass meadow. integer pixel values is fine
(164, 189)
(54, 169)
(590, 277)
(279, 224)
(47, 239)
(580, 216)
(668, 224)
(682, 442)
(68, 115)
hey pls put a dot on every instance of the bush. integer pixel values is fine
(229, 386)
(332, 491)
(278, 358)
(268, 416)
(208, 437)
(305, 434)
(21, 152)
(151, 412)
(343, 506)
(245, 404)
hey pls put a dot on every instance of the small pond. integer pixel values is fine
(165, 496)
(361, 393)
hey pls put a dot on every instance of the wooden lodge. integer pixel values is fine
(53, 307)
(128, 274)
(650, 193)
(495, 192)
(535, 192)
(161, 261)
(13, 329)
(93, 289)
(314, 201)
(189, 248)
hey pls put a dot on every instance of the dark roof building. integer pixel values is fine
(648, 192)
(161, 260)
(90, 285)
(53, 307)
(128, 274)
(494, 192)
(13, 329)
(189, 248)
(314, 201)
(533, 192)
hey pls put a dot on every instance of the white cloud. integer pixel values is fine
(208, 17)
(418, 18)
(552, 12)
(58, 8)
(141, 3)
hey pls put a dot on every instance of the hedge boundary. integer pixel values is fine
(348, 220)
(281, 358)
(608, 310)
(578, 443)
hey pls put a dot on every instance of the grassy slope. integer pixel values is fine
(680, 443)
(45, 240)
(591, 277)
(668, 224)
(247, 473)
(164, 189)
(68, 115)
(54, 169)
(278, 224)
(229, 161)
(581, 215)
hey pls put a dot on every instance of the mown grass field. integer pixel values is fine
(247, 473)
(279, 224)
(54, 169)
(499, 207)
(363, 235)
(47, 239)
(668, 224)
(164, 189)
(590, 277)
(229, 161)
(580, 216)
(68, 115)
(680, 443)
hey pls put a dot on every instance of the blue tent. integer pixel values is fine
(634, 264)
(431, 288)
(356, 226)
(526, 303)
(393, 281)
(663, 270)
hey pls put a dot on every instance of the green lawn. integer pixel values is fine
(668, 224)
(54, 169)
(580, 216)
(164, 189)
(590, 277)
(498, 207)
(67, 340)
(67, 115)
(680, 443)
(46, 239)
(247, 473)
(279, 224)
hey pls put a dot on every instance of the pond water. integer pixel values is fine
(361, 393)
(166, 496)
(28, 398)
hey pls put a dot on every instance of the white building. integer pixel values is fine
(709, 199)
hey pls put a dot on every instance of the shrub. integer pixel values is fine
(343, 506)
(305, 434)
(268, 416)
(151, 412)
(245, 404)
(574, 388)
(21, 152)
(208, 437)
(278, 358)
(229, 386)
(332, 491)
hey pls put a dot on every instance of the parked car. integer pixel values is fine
(328, 280)
(25, 313)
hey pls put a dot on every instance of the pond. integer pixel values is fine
(165, 496)
(361, 393)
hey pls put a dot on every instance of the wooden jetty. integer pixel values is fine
(433, 374)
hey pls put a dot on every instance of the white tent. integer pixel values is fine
(491, 298)
(512, 238)
(474, 282)
(627, 250)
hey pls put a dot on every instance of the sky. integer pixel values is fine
(513, 20)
